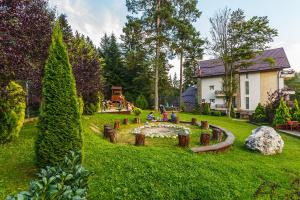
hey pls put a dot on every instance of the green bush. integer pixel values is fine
(137, 111)
(12, 112)
(216, 113)
(67, 181)
(141, 102)
(296, 111)
(260, 114)
(92, 104)
(282, 114)
(197, 109)
(206, 109)
(90, 108)
(59, 121)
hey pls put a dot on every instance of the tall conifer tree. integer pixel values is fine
(59, 121)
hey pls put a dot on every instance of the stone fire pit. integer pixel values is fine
(162, 130)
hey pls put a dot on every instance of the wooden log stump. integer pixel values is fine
(137, 120)
(176, 120)
(117, 125)
(184, 140)
(204, 125)
(217, 135)
(139, 139)
(105, 131)
(204, 139)
(125, 121)
(194, 121)
(112, 135)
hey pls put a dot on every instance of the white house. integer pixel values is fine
(254, 81)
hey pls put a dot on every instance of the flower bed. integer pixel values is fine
(162, 130)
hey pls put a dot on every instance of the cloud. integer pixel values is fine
(84, 20)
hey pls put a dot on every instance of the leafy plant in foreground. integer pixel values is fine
(69, 181)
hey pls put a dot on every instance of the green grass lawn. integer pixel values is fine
(161, 170)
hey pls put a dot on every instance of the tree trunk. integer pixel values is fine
(194, 121)
(157, 55)
(139, 139)
(229, 105)
(105, 131)
(112, 135)
(204, 139)
(117, 125)
(184, 140)
(177, 120)
(217, 135)
(181, 80)
(137, 120)
(204, 125)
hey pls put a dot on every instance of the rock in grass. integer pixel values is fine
(265, 140)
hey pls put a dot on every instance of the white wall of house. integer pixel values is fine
(281, 83)
(254, 90)
(208, 93)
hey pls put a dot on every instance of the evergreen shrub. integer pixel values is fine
(12, 112)
(59, 121)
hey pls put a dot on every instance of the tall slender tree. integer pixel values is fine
(236, 40)
(156, 18)
(138, 76)
(59, 121)
(184, 32)
(114, 69)
(191, 62)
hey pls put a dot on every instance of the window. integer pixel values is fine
(246, 75)
(211, 87)
(212, 100)
(247, 103)
(247, 87)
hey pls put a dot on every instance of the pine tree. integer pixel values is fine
(59, 121)
(156, 17)
(114, 70)
(296, 111)
(282, 115)
(186, 13)
(191, 62)
(138, 78)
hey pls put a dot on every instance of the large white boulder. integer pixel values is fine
(265, 140)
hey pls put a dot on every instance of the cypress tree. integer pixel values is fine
(282, 115)
(59, 121)
(296, 111)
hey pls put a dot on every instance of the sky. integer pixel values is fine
(93, 18)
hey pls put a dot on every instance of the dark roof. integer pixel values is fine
(215, 67)
(189, 95)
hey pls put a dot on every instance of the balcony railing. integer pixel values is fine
(287, 73)
(287, 90)
(220, 93)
